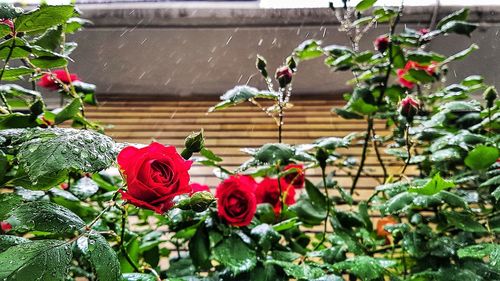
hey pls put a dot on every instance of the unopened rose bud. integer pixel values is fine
(381, 43)
(409, 108)
(490, 95)
(322, 156)
(200, 201)
(284, 76)
(193, 143)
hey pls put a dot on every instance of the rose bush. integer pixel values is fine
(63, 216)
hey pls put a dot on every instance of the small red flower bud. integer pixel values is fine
(381, 43)
(64, 185)
(409, 108)
(423, 31)
(284, 76)
(5, 226)
(9, 23)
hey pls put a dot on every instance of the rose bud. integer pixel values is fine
(64, 186)
(236, 203)
(409, 108)
(490, 95)
(201, 200)
(284, 76)
(155, 174)
(9, 23)
(47, 80)
(5, 226)
(268, 191)
(193, 143)
(296, 178)
(381, 43)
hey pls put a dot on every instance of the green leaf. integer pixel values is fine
(101, 256)
(75, 24)
(421, 75)
(15, 73)
(51, 39)
(448, 154)
(464, 221)
(38, 20)
(496, 193)
(365, 267)
(44, 260)
(347, 114)
(298, 272)
(210, 155)
(400, 202)
(235, 255)
(266, 236)
(21, 50)
(482, 157)
(478, 251)
(138, 277)
(46, 154)
(8, 201)
(458, 27)
(433, 186)
(307, 50)
(49, 62)
(241, 94)
(462, 54)
(8, 11)
(84, 188)
(69, 111)
(7, 241)
(365, 4)
(461, 15)
(199, 248)
(46, 217)
(452, 199)
(274, 152)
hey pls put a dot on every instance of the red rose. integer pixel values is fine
(381, 232)
(381, 43)
(268, 191)
(430, 69)
(297, 178)
(47, 80)
(196, 187)
(236, 202)
(5, 226)
(155, 174)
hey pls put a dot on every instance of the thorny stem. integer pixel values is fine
(11, 50)
(327, 196)
(363, 154)
(379, 157)
(408, 148)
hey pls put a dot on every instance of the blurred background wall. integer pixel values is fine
(191, 49)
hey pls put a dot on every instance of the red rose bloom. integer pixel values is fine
(196, 187)
(268, 191)
(297, 178)
(381, 232)
(236, 202)
(155, 174)
(48, 82)
(5, 226)
(381, 43)
(430, 69)
(284, 75)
